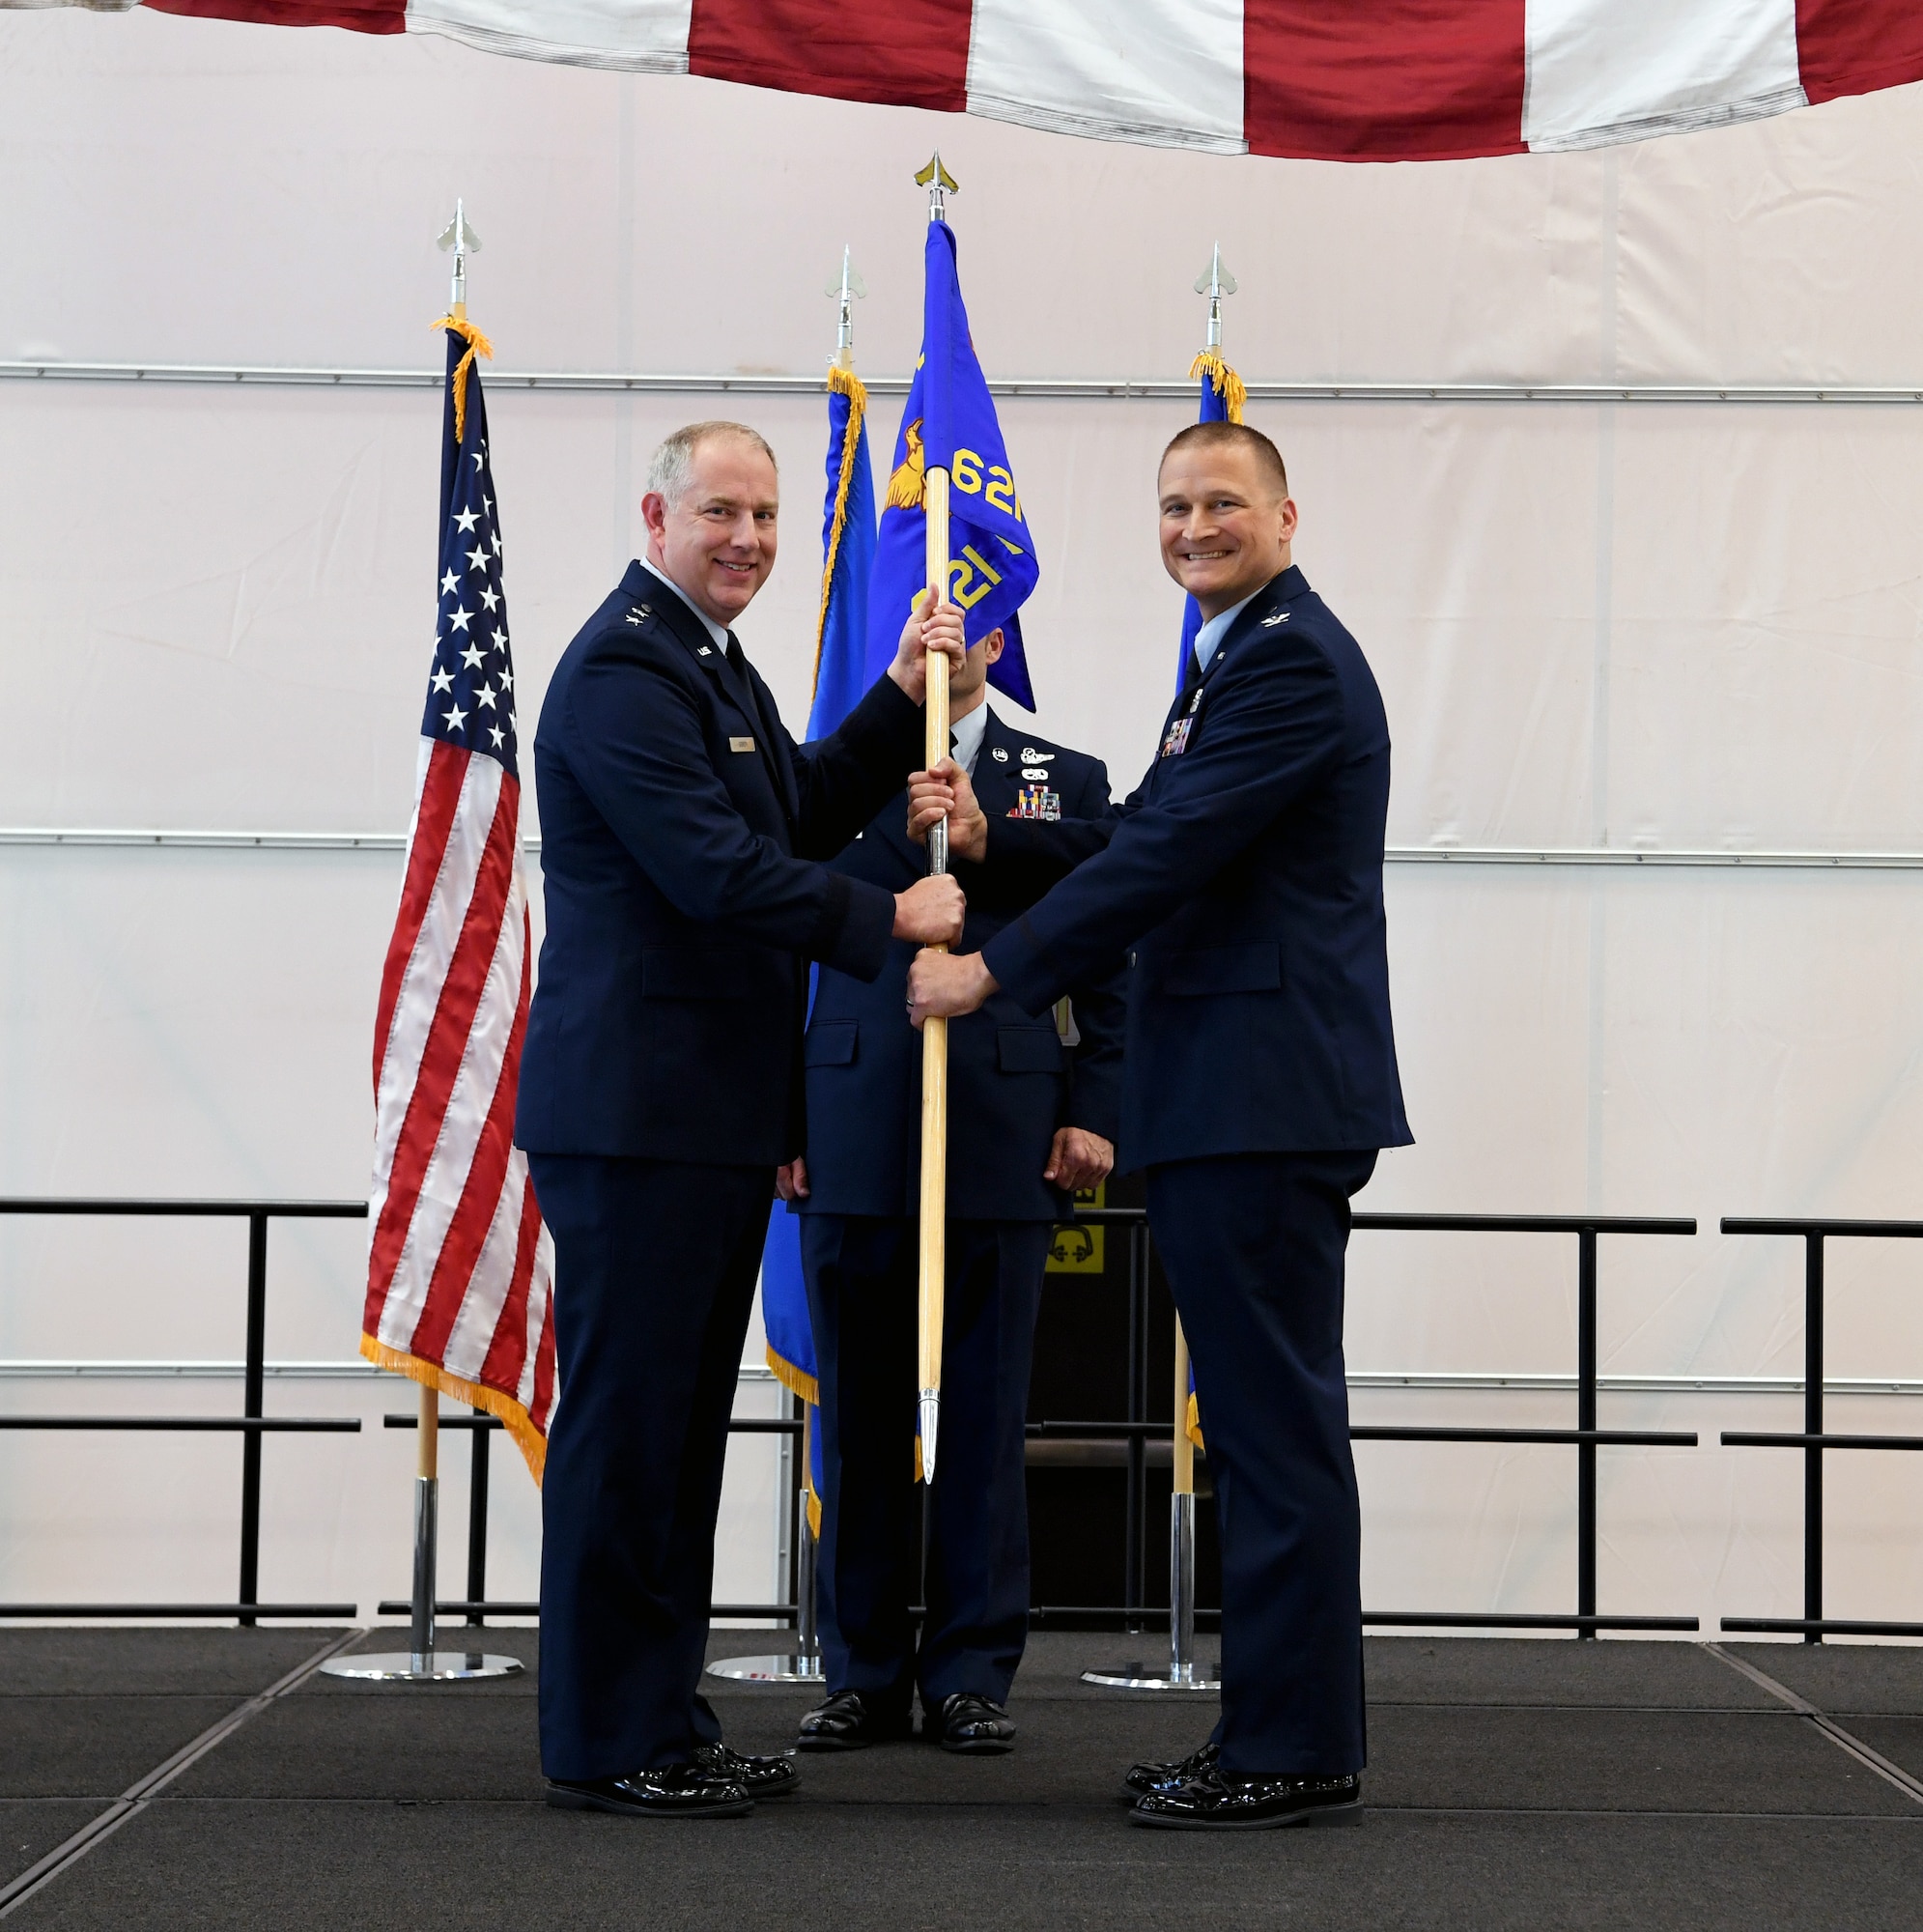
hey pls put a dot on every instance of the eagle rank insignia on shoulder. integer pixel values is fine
(1037, 801)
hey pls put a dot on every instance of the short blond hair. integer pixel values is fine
(671, 468)
(1221, 434)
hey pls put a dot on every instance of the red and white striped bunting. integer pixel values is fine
(1398, 80)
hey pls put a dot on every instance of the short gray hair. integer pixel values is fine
(670, 467)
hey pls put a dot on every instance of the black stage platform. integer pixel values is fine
(1514, 1784)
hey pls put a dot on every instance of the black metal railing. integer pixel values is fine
(1136, 1430)
(1586, 1437)
(1812, 1439)
(475, 1607)
(251, 1425)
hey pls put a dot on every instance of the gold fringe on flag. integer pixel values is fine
(841, 382)
(531, 1443)
(785, 1371)
(909, 484)
(1195, 1423)
(1225, 381)
(794, 1379)
(477, 344)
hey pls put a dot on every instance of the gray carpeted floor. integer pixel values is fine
(1538, 1785)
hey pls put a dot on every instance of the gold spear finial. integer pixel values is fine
(939, 184)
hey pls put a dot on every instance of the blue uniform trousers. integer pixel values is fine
(655, 1264)
(861, 1296)
(1254, 1246)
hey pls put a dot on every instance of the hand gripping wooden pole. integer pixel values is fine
(932, 1275)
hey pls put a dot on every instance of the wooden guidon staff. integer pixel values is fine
(932, 1273)
(932, 1277)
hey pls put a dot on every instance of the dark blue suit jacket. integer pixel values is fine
(1246, 873)
(679, 827)
(1011, 1082)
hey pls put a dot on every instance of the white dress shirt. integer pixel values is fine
(965, 737)
(1208, 640)
(719, 631)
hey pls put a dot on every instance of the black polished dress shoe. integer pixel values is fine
(1218, 1800)
(674, 1791)
(851, 1721)
(758, 1776)
(968, 1722)
(1158, 1774)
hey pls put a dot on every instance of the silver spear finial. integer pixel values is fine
(1215, 281)
(850, 288)
(939, 184)
(462, 239)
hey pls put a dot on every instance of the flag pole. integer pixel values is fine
(932, 1274)
(803, 1664)
(1181, 1528)
(421, 1663)
(1215, 281)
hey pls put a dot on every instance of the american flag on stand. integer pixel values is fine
(460, 1267)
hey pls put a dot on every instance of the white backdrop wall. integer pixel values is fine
(1647, 627)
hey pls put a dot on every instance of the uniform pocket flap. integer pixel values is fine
(1030, 1050)
(704, 972)
(831, 1043)
(1225, 969)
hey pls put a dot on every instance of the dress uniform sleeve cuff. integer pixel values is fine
(1095, 1105)
(857, 925)
(1022, 969)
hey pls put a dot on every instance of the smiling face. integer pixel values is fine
(714, 540)
(1226, 527)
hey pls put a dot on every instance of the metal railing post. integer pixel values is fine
(477, 1521)
(1813, 1424)
(1134, 1580)
(253, 1396)
(1586, 1420)
(1812, 1439)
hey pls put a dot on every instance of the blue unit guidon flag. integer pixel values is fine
(1222, 399)
(847, 557)
(460, 1267)
(950, 423)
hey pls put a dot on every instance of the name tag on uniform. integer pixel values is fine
(1036, 801)
(741, 744)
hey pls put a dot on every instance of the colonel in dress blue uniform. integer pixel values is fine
(682, 833)
(1030, 1118)
(1246, 876)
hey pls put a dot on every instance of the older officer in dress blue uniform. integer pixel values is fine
(683, 834)
(1246, 873)
(1030, 1118)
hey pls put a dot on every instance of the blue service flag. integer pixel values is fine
(1221, 402)
(848, 557)
(950, 423)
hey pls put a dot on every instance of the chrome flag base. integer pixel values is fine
(787, 1667)
(421, 1663)
(1183, 1673)
(434, 1666)
(802, 1664)
(1142, 1677)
